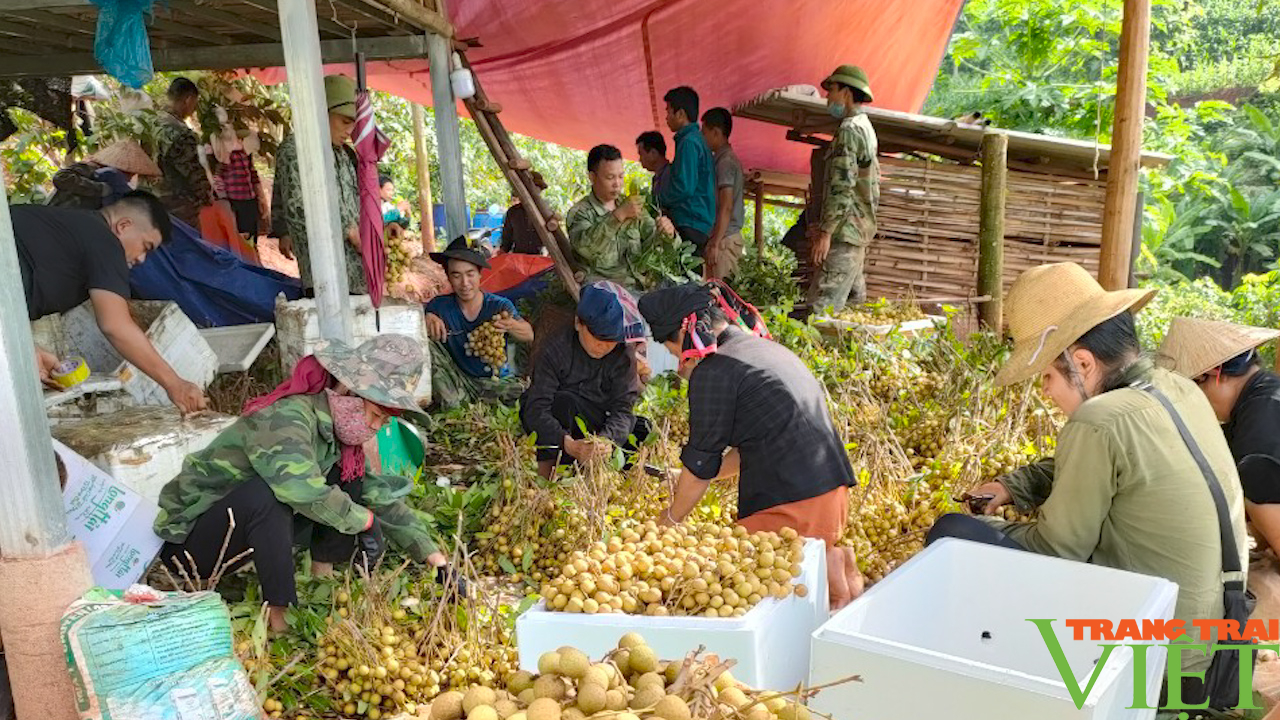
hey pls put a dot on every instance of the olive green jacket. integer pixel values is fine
(1123, 491)
(289, 444)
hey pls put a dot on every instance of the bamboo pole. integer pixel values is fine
(760, 220)
(1126, 146)
(995, 151)
(424, 178)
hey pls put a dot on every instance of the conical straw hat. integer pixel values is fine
(126, 156)
(1193, 347)
(1049, 308)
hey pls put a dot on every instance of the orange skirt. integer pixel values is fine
(821, 517)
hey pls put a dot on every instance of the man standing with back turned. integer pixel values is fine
(852, 192)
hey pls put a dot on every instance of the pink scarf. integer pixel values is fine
(310, 378)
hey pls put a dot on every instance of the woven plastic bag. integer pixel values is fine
(121, 45)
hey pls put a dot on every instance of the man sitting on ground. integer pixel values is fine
(607, 235)
(456, 375)
(587, 373)
(68, 255)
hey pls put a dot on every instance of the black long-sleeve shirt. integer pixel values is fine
(609, 384)
(1253, 433)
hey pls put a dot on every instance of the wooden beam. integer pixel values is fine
(428, 20)
(423, 165)
(191, 8)
(1126, 146)
(324, 22)
(214, 58)
(995, 190)
(166, 24)
(20, 31)
(7, 5)
(59, 20)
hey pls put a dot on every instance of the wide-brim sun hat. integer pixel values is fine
(850, 75)
(126, 156)
(1049, 308)
(384, 370)
(340, 95)
(1193, 347)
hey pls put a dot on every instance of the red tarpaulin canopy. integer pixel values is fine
(584, 72)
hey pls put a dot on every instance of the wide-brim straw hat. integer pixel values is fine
(1193, 347)
(126, 156)
(1050, 307)
(384, 370)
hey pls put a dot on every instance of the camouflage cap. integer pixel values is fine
(850, 75)
(384, 370)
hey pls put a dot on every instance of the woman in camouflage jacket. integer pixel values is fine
(299, 452)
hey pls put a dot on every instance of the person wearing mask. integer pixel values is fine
(606, 234)
(287, 214)
(518, 233)
(457, 376)
(587, 373)
(104, 177)
(851, 195)
(1222, 359)
(724, 248)
(689, 198)
(755, 399)
(296, 459)
(184, 186)
(1123, 489)
(67, 256)
(651, 147)
(393, 210)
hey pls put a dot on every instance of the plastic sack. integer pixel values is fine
(121, 45)
(166, 660)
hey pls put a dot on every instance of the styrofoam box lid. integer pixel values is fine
(237, 346)
(935, 609)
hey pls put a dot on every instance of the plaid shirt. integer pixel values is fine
(757, 396)
(239, 177)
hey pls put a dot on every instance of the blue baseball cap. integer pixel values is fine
(600, 310)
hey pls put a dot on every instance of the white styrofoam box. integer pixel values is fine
(947, 635)
(237, 346)
(298, 331)
(910, 327)
(143, 447)
(170, 331)
(99, 394)
(660, 359)
(48, 333)
(770, 642)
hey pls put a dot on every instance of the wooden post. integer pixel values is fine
(301, 37)
(448, 139)
(1126, 146)
(995, 177)
(759, 219)
(424, 178)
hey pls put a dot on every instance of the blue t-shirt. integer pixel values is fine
(446, 308)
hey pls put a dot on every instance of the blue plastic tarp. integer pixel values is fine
(211, 285)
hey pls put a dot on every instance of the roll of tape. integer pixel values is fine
(70, 372)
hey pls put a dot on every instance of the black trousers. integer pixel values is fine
(567, 407)
(269, 529)
(967, 527)
(246, 214)
(697, 237)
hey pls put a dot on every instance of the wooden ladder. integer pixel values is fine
(519, 173)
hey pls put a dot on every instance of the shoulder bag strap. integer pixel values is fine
(1230, 555)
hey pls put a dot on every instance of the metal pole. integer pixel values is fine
(425, 204)
(448, 140)
(1126, 145)
(34, 523)
(301, 38)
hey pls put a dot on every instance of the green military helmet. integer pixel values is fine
(850, 75)
(384, 370)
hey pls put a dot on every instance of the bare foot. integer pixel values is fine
(321, 569)
(276, 620)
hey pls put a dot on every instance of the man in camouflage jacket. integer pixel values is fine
(184, 187)
(850, 196)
